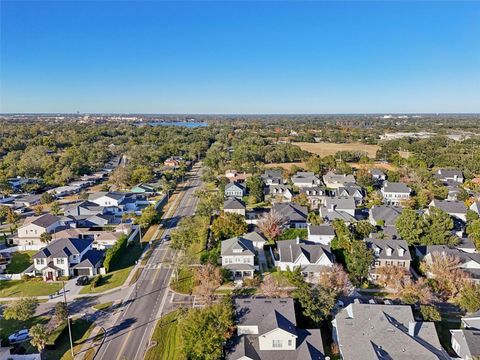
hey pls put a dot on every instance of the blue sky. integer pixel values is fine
(240, 57)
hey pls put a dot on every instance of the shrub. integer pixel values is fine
(430, 313)
(96, 281)
(113, 253)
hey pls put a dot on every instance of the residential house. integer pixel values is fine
(393, 252)
(267, 330)
(466, 341)
(272, 177)
(235, 189)
(66, 257)
(238, 256)
(295, 215)
(27, 200)
(378, 175)
(234, 205)
(256, 238)
(342, 208)
(62, 191)
(146, 189)
(450, 175)
(335, 181)
(234, 175)
(321, 234)
(34, 226)
(475, 207)
(316, 195)
(351, 190)
(469, 262)
(278, 193)
(174, 161)
(456, 209)
(102, 239)
(311, 258)
(374, 331)
(120, 202)
(384, 215)
(395, 193)
(304, 179)
(86, 208)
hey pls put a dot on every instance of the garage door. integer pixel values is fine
(78, 272)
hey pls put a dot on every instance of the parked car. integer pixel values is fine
(82, 280)
(167, 237)
(19, 336)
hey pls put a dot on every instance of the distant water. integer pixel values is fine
(189, 124)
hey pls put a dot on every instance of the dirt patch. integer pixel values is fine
(325, 149)
(285, 166)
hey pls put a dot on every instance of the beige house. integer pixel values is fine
(234, 205)
(33, 227)
(388, 253)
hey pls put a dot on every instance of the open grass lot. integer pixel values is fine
(167, 339)
(120, 270)
(20, 261)
(81, 330)
(185, 282)
(20, 288)
(325, 148)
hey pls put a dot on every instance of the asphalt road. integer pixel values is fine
(129, 337)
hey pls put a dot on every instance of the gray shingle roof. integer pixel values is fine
(396, 246)
(237, 243)
(44, 220)
(292, 211)
(396, 187)
(323, 229)
(469, 340)
(341, 203)
(91, 259)
(387, 213)
(450, 207)
(291, 250)
(63, 248)
(233, 204)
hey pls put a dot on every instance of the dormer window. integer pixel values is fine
(401, 251)
(377, 251)
(389, 251)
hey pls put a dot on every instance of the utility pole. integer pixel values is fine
(68, 319)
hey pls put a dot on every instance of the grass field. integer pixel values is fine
(167, 339)
(81, 330)
(20, 261)
(185, 282)
(324, 148)
(20, 288)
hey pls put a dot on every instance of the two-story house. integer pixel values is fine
(304, 179)
(235, 206)
(316, 195)
(351, 190)
(456, 209)
(395, 193)
(238, 257)
(296, 215)
(66, 257)
(466, 341)
(267, 330)
(33, 227)
(335, 181)
(278, 193)
(342, 208)
(450, 175)
(235, 189)
(393, 252)
(311, 258)
(272, 177)
(321, 234)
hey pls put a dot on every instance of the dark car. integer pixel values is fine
(82, 280)
(167, 237)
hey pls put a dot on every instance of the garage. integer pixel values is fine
(79, 272)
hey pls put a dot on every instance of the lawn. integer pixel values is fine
(120, 270)
(81, 330)
(20, 288)
(291, 234)
(168, 343)
(185, 282)
(8, 327)
(103, 306)
(20, 261)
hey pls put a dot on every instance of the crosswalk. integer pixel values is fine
(155, 266)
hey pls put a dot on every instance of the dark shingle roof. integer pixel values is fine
(63, 248)
(233, 204)
(291, 211)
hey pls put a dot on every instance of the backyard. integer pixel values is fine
(167, 339)
(20, 261)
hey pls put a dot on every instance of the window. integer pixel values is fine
(60, 261)
(276, 344)
(289, 342)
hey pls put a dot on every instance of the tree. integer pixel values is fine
(46, 198)
(45, 237)
(120, 177)
(362, 229)
(415, 292)
(473, 231)
(270, 224)
(336, 279)
(228, 225)
(205, 330)
(149, 216)
(317, 302)
(314, 218)
(410, 227)
(358, 261)
(391, 276)
(430, 313)
(438, 228)
(55, 208)
(255, 188)
(38, 210)
(141, 174)
(208, 278)
(40, 335)
(22, 309)
(301, 199)
(271, 287)
(471, 216)
(61, 312)
(469, 297)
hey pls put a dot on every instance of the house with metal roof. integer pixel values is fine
(267, 330)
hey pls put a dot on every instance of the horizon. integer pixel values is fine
(241, 58)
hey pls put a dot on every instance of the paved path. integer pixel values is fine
(129, 335)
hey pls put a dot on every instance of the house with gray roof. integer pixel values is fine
(235, 206)
(316, 195)
(351, 190)
(28, 235)
(384, 215)
(235, 189)
(85, 207)
(449, 175)
(335, 181)
(272, 177)
(374, 331)
(475, 207)
(66, 257)
(311, 258)
(27, 200)
(456, 209)
(256, 238)
(395, 193)
(267, 330)
(278, 193)
(120, 202)
(342, 208)
(392, 252)
(378, 175)
(466, 341)
(238, 257)
(321, 234)
(304, 179)
(296, 215)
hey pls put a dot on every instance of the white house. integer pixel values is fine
(456, 209)
(238, 256)
(305, 179)
(235, 189)
(321, 234)
(450, 175)
(466, 341)
(278, 193)
(33, 227)
(395, 193)
(234, 205)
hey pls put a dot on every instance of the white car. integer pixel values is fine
(19, 336)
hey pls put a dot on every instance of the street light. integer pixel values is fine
(68, 318)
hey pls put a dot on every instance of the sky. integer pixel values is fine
(239, 57)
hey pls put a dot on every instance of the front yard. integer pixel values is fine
(21, 288)
(20, 261)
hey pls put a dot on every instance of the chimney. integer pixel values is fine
(389, 251)
(298, 240)
(412, 328)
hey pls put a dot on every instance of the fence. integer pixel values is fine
(10, 276)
